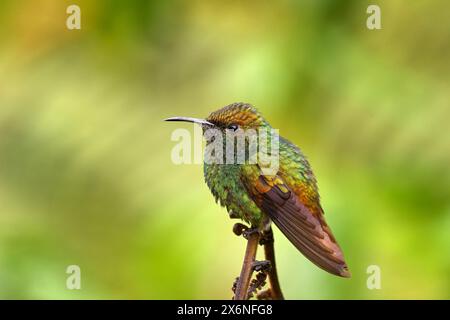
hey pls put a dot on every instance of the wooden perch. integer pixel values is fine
(244, 287)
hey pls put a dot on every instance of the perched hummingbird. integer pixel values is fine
(289, 198)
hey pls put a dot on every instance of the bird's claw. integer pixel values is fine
(240, 229)
(250, 231)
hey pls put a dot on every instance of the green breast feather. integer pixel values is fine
(227, 188)
(225, 183)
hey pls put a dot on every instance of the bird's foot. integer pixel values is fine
(240, 229)
(249, 232)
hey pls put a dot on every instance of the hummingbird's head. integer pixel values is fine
(241, 123)
(235, 116)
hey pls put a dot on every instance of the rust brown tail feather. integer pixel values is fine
(308, 232)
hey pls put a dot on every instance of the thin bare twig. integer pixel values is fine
(243, 283)
(269, 252)
(244, 288)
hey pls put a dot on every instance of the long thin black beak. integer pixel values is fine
(202, 122)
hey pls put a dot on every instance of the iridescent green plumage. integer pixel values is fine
(289, 197)
(226, 181)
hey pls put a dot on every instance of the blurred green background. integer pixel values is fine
(86, 176)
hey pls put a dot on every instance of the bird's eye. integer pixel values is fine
(233, 127)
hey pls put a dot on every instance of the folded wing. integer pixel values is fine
(306, 229)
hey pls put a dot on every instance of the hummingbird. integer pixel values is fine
(289, 198)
